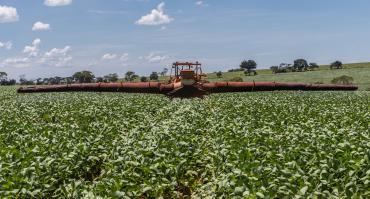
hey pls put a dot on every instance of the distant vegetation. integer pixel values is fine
(344, 79)
(82, 77)
(249, 67)
(299, 71)
(154, 76)
(236, 79)
(299, 65)
(4, 81)
(336, 65)
(219, 74)
(360, 72)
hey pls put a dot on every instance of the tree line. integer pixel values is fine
(301, 65)
(82, 77)
(4, 81)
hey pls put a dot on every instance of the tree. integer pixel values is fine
(249, 65)
(274, 69)
(336, 65)
(69, 80)
(143, 79)
(219, 74)
(24, 81)
(282, 68)
(130, 76)
(300, 65)
(11, 82)
(312, 66)
(344, 79)
(111, 77)
(84, 77)
(39, 81)
(99, 79)
(164, 72)
(56, 80)
(154, 76)
(3, 76)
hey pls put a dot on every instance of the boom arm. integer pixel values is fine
(221, 87)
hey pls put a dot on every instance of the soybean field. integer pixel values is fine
(247, 145)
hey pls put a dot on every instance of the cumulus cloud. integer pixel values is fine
(57, 2)
(201, 3)
(33, 50)
(156, 58)
(17, 62)
(7, 45)
(115, 57)
(8, 14)
(39, 26)
(124, 57)
(109, 56)
(57, 57)
(22, 61)
(156, 17)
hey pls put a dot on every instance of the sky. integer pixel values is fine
(43, 38)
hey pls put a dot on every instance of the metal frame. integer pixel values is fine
(179, 66)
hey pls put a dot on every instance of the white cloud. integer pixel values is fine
(114, 57)
(107, 12)
(57, 57)
(124, 57)
(40, 26)
(7, 45)
(156, 17)
(156, 58)
(8, 14)
(201, 3)
(17, 62)
(109, 56)
(34, 49)
(57, 2)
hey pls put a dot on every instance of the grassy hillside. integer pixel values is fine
(359, 71)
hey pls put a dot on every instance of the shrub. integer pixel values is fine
(219, 74)
(236, 79)
(254, 72)
(344, 79)
(236, 70)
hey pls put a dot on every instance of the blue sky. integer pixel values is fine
(41, 38)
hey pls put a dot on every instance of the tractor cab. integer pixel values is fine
(187, 73)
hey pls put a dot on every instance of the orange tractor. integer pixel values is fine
(186, 81)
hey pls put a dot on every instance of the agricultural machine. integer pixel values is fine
(186, 81)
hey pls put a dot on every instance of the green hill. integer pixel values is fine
(359, 71)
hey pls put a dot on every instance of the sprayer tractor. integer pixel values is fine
(186, 81)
